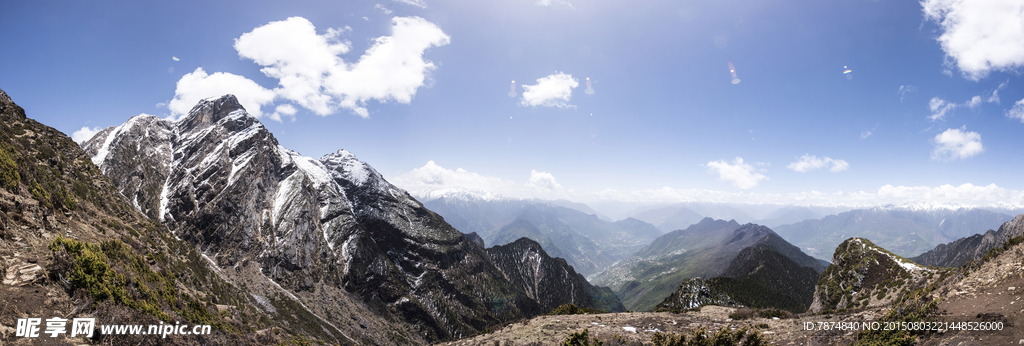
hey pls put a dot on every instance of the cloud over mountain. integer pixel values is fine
(312, 73)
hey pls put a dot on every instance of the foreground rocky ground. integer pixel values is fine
(990, 291)
(641, 326)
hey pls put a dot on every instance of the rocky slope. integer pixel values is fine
(72, 246)
(865, 275)
(702, 250)
(904, 230)
(694, 293)
(762, 277)
(963, 250)
(549, 281)
(332, 232)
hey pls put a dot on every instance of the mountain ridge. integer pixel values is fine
(329, 230)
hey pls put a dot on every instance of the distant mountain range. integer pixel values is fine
(963, 250)
(704, 250)
(587, 242)
(905, 230)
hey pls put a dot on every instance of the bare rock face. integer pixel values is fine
(322, 229)
(21, 274)
(550, 281)
(695, 293)
(146, 147)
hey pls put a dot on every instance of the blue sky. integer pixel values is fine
(915, 120)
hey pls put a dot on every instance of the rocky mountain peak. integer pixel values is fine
(863, 274)
(345, 165)
(219, 180)
(8, 108)
(4, 99)
(210, 111)
(550, 281)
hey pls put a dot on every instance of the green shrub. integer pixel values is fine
(572, 309)
(582, 339)
(113, 271)
(701, 337)
(9, 176)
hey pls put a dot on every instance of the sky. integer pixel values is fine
(846, 102)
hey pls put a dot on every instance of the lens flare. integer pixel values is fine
(732, 70)
(847, 71)
(512, 90)
(175, 58)
(590, 90)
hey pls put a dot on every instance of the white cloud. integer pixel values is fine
(84, 134)
(939, 108)
(554, 2)
(198, 85)
(432, 179)
(1017, 112)
(980, 36)
(867, 133)
(552, 91)
(955, 144)
(311, 73)
(417, 3)
(839, 166)
(382, 8)
(963, 195)
(905, 89)
(812, 162)
(995, 93)
(285, 110)
(544, 180)
(740, 174)
(974, 102)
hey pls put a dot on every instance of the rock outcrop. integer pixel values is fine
(549, 281)
(865, 275)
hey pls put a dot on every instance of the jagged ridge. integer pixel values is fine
(323, 229)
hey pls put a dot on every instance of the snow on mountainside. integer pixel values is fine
(333, 231)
